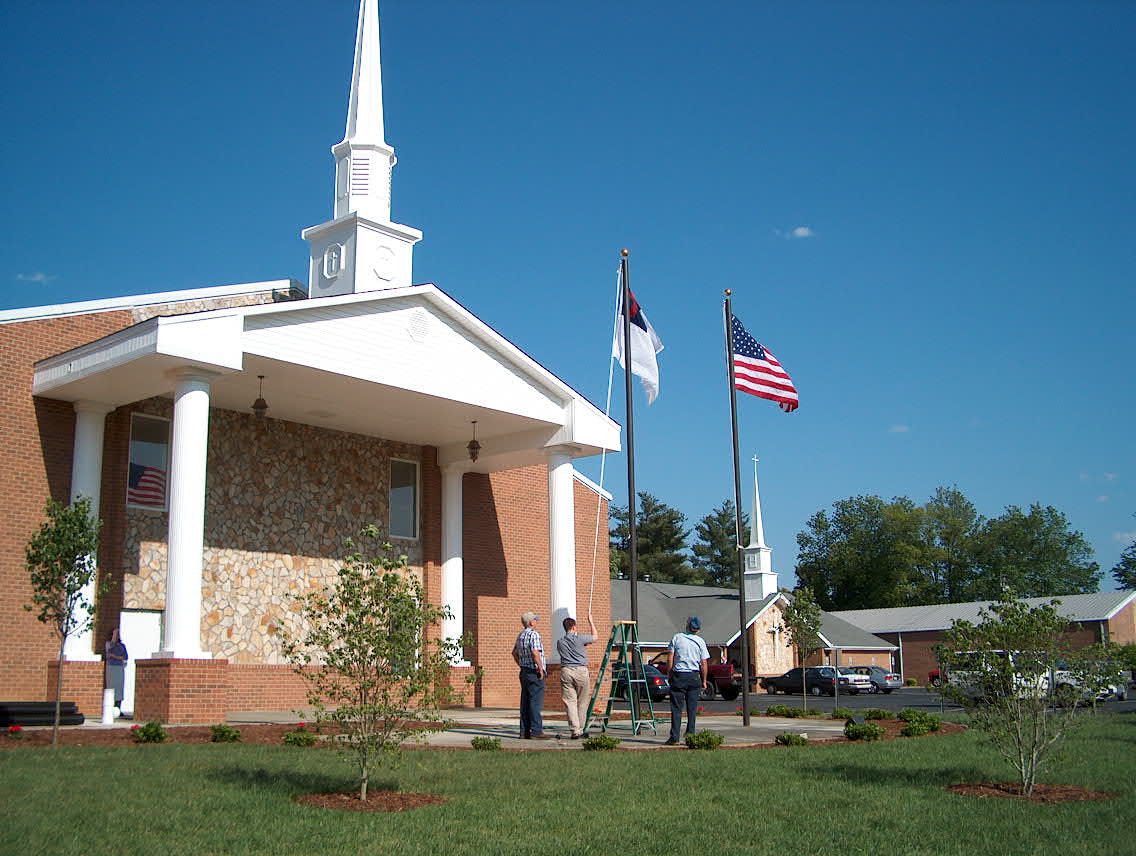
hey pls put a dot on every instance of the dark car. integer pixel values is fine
(654, 682)
(818, 680)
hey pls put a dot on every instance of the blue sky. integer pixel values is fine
(926, 210)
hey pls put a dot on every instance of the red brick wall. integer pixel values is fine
(185, 692)
(82, 684)
(1122, 626)
(263, 687)
(35, 460)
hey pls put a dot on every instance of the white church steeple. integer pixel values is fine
(760, 578)
(361, 249)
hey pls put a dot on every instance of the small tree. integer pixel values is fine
(59, 559)
(374, 667)
(1002, 673)
(802, 625)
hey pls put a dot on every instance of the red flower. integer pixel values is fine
(15, 730)
(135, 727)
(701, 709)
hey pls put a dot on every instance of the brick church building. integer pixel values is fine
(231, 437)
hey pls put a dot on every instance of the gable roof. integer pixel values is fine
(1097, 606)
(664, 608)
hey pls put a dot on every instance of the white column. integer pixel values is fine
(188, 452)
(561, 545)
(453, 561)
(86, 480)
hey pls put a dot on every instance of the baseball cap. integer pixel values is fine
(528, 618)
(693, 623)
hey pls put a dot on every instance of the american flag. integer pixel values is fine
(757, 371)
(147, 486)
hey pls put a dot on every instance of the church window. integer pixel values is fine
(149, 461)
(403, 499)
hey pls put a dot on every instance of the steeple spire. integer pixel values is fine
(760, 579)
(361, 249)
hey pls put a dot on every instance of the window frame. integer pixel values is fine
(415, 514)
(165, 506)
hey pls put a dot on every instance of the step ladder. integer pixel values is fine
(624, 683)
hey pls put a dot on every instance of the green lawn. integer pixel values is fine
(839, 800)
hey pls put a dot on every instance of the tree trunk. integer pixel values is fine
(58, 694)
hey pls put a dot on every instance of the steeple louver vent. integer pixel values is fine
(360, 174)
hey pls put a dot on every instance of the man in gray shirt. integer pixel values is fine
(574, 681)
(686, 670)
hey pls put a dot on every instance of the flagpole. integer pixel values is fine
(737, 509)
(632, 535)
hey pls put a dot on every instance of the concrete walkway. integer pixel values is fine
(503, 724)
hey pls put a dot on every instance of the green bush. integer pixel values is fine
(301, 736)
(225, 734)
(876, 713)
(842, 713)
(486, 744)
(915, 729)
(151, 732)
(704, 740)
(911, 682)
(932, 721)
(601, 743)
(787, 738)
(786, 711)
(863, 731)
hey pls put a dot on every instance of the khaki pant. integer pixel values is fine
(577, 695)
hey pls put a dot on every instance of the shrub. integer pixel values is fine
(225, 734)
(931, 721)
(842, 713)
(778, 710)
(151, 732)
(911, 682)
(863, 731)
(876, 713)
(600, 743)
(15, 732)
(486, 744)
(704, 740)
(787, 738)
(915, 729)
(301, 736)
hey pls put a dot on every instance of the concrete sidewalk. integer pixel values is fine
(503, 724)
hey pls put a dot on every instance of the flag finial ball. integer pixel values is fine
(729, 291)
(625, 252)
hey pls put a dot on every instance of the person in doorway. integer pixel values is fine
(574, 681)
(687, 663)
(528, 651)
(114, 666)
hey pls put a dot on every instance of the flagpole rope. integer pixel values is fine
(603, 462)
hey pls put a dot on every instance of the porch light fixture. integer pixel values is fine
(473, 446)
(260, 406)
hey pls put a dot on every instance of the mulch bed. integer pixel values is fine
(376, 801)
(264, 735)
(1043, 794)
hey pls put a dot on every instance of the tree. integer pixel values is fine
(951, 530)
(1124, 571)
(374, 665)
(59, 559)
(1000, 672)
(716, 550)
(802, 625)
(661, 541)
(1034, 554)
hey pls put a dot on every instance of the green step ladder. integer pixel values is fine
(627, 683)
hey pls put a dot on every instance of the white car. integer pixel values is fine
(1066, 686)
(853, 682)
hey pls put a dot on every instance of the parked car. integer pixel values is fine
(854, 682)
(1066, 684)
(721, 678)
(818, 680)
(883, 681)
(935, 677)
(655, 682)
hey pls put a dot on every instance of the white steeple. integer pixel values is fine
(362, 249)
(760, 579)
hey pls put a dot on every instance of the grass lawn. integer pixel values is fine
(846, 799)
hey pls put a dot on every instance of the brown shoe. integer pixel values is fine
(542, 737)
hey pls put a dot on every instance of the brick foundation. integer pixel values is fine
(82, 684)
(182, 692)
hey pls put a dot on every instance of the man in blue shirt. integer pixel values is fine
(686, 670)
(528, 651)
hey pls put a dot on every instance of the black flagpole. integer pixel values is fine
(632, 545)
(742, 632)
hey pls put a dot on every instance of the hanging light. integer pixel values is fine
(473, 446)
(260, 406)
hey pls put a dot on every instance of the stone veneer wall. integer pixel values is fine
(280, 499)
(769, 647)
(184, 307)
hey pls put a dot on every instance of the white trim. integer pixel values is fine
(110, 304)
(1120, 606)
(591, 485)
(757, 615)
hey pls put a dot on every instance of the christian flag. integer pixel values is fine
(757, 371)
(645, 343)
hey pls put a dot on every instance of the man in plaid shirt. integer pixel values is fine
(528, 651)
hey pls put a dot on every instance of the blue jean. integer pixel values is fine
(532, 701)
(686, 690)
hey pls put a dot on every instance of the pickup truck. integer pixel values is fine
(721, 679)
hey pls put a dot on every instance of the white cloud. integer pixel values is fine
(899, 429)
(1102, 498)
(796, 233)
(1111, 476)
(38, 276)
(1124, 537)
